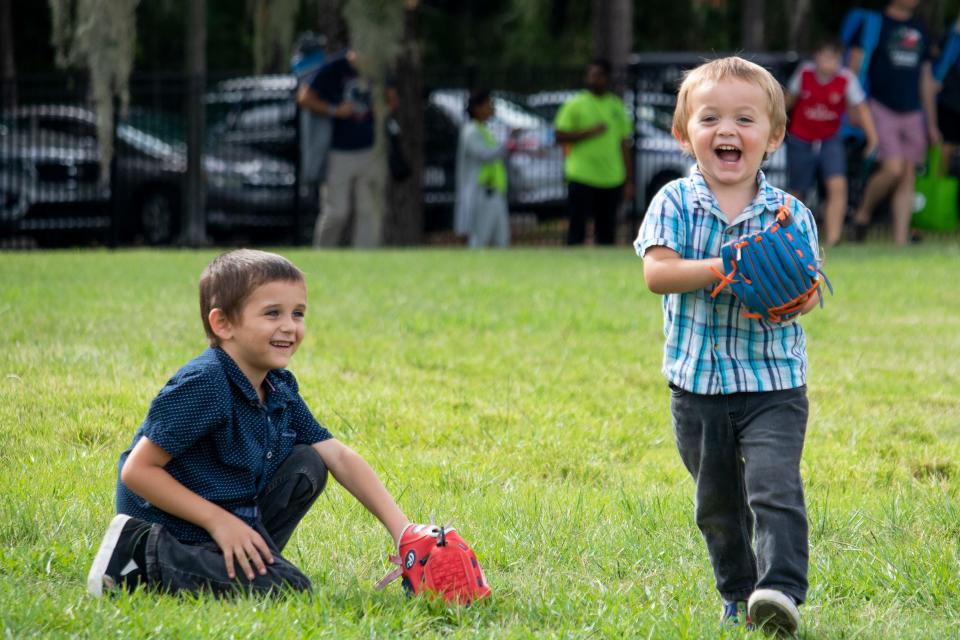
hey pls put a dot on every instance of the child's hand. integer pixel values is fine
(240, 542)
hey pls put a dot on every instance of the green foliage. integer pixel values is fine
(517, 393)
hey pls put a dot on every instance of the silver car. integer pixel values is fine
(535, 175)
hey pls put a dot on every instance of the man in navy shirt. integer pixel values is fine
(902, 102)
(229, 458)
(341, 92)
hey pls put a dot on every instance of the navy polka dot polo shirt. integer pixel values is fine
(225, 445)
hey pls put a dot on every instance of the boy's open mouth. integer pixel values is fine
(281, 344)
(727, 153)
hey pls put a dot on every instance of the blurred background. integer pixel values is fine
(173, 122)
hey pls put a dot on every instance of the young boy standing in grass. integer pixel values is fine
(229, 458)
(738, 394)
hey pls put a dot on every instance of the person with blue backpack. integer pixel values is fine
(890, 52)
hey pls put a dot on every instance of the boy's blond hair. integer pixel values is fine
(229, 280)
(721, 69)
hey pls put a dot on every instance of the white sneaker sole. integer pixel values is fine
(773, 612)
(104, 553)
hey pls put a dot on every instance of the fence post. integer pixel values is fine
(194, 232)
(114, 203)
(299, 237)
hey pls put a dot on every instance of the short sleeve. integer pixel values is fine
(855, 93)
(567, 118)
(793, 84)
(663, 222)
(308, 430)
(808, 226)
(186, 409)
(302, 422)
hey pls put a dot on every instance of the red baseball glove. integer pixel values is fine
(437, 560)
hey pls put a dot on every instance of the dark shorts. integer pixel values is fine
(805, 159)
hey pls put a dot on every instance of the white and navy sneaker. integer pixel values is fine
(115, 565)
(773, 612)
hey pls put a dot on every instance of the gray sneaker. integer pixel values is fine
(773, 612)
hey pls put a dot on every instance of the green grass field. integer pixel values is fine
(517, 394)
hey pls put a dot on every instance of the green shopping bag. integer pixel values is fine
(935, 205)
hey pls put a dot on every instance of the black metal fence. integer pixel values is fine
(53, 190)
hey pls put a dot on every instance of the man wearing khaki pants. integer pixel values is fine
(354, 175)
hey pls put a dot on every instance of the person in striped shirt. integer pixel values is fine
(738, 385)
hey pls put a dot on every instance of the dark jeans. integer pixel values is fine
(176, 566)
(603, 204)
(743, 451)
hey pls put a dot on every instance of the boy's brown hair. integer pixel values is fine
(228, 281)
(721, 69)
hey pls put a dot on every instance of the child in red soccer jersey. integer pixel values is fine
(819, 93)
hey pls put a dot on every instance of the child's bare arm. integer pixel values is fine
(810, 305)
(666, 272)
(865, 121)
(789, 99)
(353, 472)
(144, 474)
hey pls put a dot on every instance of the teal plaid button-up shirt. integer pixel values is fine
(710, 347)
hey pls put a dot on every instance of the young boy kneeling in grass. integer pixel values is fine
(229, 458)
(738, 385)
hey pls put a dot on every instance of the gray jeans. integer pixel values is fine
(743, 451)
(177, 566)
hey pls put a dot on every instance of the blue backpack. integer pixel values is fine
(951, 52)
(868, 23)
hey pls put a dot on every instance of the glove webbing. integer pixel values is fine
(783, 256)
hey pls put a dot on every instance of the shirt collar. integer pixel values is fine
(242, 383)
(765, 199)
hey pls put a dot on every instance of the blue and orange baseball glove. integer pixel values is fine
(773, 273)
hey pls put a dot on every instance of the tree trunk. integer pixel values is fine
(8, 66)
(404, 221)
(799, 26)
(613, 37)
(752, 25)
(332, 25)
(194, 194)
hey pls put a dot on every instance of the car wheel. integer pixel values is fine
(158, 217)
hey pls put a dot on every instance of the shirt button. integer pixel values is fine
(729, 231)
(269, 454)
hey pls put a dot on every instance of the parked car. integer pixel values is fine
(49, 185)
(260, 112)
(244, 189)
(535, 175)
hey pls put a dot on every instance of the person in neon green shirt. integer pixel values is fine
(594, 127)
(481, 211)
